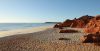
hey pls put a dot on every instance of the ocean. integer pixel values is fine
(12, 26)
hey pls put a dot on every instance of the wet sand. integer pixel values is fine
(23, 31)
(46, 40)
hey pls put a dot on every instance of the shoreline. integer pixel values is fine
(44, 39)
(23, 31)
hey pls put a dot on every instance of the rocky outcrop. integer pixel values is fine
(75, 23)
(86, 18)
(58, 25)
(93, 26)
(91, 38)
(67, 23)
(87, 38)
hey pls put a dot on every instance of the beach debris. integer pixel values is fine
(68, 31)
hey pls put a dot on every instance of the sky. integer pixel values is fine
(38, 11)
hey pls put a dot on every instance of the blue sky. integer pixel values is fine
(28, 11)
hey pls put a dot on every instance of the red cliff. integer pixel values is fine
(75, 23)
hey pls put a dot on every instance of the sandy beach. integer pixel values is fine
(24, 31)
(43, 39)
(49, 25)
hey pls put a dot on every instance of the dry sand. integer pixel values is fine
(46, 40)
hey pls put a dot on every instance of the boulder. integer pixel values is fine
(87, 38)
(91, 38)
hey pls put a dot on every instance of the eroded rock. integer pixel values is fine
(76, 22)
(93, 26)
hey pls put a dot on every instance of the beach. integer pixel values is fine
(43, 39)
(23, 31)
(49, 25)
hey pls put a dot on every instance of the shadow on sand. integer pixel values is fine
(64, 39)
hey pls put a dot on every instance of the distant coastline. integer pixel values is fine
(53, 22)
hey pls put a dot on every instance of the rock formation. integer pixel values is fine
(93, 28)
(91, 38)
(86, 18)
(75, 23)
(58, 25)
(91, 25)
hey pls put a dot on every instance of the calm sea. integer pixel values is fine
(11, 26)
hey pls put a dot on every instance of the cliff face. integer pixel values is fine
(93, 26)
(76, 23)
(86, 18)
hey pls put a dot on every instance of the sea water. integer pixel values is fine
(12, 26)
